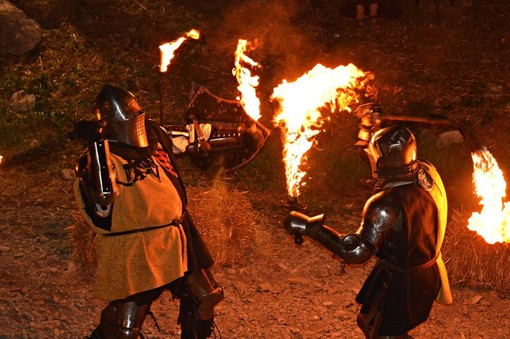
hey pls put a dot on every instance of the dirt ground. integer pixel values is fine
(277, 290)
(455, 64)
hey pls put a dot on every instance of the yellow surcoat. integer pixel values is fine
(140, 261)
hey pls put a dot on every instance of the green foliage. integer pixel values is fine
(65, 75)
(55, 82)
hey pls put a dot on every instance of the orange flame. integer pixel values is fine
(168, 49)
(493, 222)
(247, 82)
(300, 112)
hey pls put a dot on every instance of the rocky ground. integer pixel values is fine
(278, 290)
(457, 63)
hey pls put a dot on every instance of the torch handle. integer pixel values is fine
(298, 238)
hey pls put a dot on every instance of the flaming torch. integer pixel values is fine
(247, 82)
(300, 114)
(167, 52)
(493, 222)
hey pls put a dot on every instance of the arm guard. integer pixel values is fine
(351, 248)
(102, 172)
(97, 187)
(98, 171)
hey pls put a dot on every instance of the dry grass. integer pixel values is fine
(81, 239)
(471, 261)
(226, 220)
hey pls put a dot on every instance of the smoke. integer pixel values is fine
(284, 48)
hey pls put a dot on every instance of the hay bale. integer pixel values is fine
(471, 261)
(81, 237)
(226, 220)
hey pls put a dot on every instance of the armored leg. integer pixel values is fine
(370, 328)
(199, 294)
(121, 320)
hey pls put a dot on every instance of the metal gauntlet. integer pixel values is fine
(299, 223)
(352, 248)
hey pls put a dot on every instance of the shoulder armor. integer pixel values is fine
(380, 214)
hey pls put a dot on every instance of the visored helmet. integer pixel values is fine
(392, 151)
(124, 118)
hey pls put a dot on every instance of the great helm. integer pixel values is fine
(123, 118)
(392, 151)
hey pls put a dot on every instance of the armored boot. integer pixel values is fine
(199, 295)
(121, 321)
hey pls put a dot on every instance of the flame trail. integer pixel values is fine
(247, 82)
(168, 49)
(300, 114)
(493, 222)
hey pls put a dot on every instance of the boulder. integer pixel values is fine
(19, 34)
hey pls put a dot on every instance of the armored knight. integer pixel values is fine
(403, 226)
(129, 191)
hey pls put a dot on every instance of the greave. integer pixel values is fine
(121, 321)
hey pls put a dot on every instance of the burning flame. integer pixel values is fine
(168, 49)
(493, 222)
(247, 82)
(300, 112)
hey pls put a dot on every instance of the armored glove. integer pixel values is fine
(350, 247)
(299, 223)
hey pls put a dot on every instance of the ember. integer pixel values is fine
(492, 223)
(168, 49)
(300, 115)
(247, 82)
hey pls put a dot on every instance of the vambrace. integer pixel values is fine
(351, 248)
(99, 214)
(96, 171)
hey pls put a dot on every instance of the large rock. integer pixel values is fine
(51, 14)
(18, 34)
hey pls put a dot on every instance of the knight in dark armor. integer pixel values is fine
(129, 191)
(403, 226)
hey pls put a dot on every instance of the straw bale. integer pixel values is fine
(81, 238)
(226, 220)
(471, 261)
